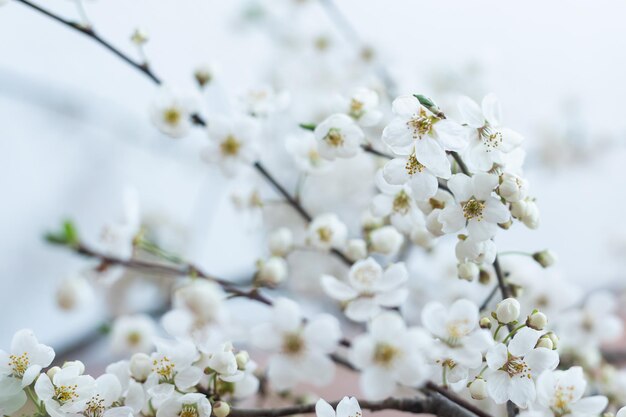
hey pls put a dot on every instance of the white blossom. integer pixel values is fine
(389, 354)
(386, 240)
(232, 143)
(299, 349)
(338, 137)
(362, 106)
(25, 360)
(131, 334)
(171, 111)
(369, 288)
(326, 231)
(416, 130)
(347, 407)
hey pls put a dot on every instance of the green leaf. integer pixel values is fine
(68, 235)
(308, 126)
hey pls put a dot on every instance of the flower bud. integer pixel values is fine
(433, 225)
(272, 272)
(512, 188)
(356, 249)
(545, 342)
(386, 240)
(484, 277)
(242, 359)
(221, 409)
(421, 237)
(139, 37)
(507, 310)
(485, 323)
(52, 371)
(554, 338)
(280, 241)
(545, 258)
(468, 271)
(140, 366)
(78, 364)
(478, 389)
(527, 212)
(537, 320)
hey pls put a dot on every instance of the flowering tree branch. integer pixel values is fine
(195, 118)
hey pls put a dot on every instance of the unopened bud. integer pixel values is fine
(555, 340)
(77, 364)
(484, 277)
(468, 271)
(545, 342)
(545, 258)
(272, 272)
(140, 366)
(356, 249)
(52, 371)
(507, 310)
(139, 37)
(242, 359)
(485, 323)
(478, 389)
(280, 241)
(221, 409)
(537, 320)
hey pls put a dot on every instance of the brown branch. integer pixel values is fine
(433, 404)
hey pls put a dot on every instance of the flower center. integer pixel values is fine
(385, 354)
(402, 202)
(95, 406)
(516, 366)
(366, 275)
(133, 338)
(563, 396)
(189, 410)
(19, 363)
(457, 329)
(492, 138)
(230, 146)
(172, 116)
(356, 108)
(293, 344)
(413, 166)
(65, 393)
(421, 123)
(314, 157)
(325, 234)
(334, 137)
(473, 209)
(164, 367)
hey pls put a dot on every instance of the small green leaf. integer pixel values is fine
(425, 101)
(68, 235)
(308, 126)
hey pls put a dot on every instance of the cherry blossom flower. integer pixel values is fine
(338, 137)
(515, 367)
(347, 407)
(171, 111)
(396, 201)
(173, 367)
(304, 149)
(117, 237)
(389, 354)
(408, 170)
(385, 240)
(25, 361)
(187, 405)
(476, 208)
(362, 106)
(369, 289)
(560, 393)
(131, 334)
(461, 343)
(300, 349)
(12, 395)
(67, 392)
(326, 231)
(488, 139)
(417, 131)
(232, 143)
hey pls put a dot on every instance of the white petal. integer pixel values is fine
(481, 230)
(382, 205)
(461, 186)
(498, 384)
(377, 383)
(405, 106)
(387, 327)
(187, 378)
(470, 112)
(491, 109)
(497, 356)
(495, 211)
(451, 135)
(362, 309)
(423, 186)
(348, 407)
(323, 409)
(394, 171)
(524, 341)
(590, 405)
(452, 218)
(286, 315)
(430, 154)
(281, 373)
(541, 359)
(397, 135)
(522, 391)
(483, 185)
(434, 316)
(44, 387)
(392, 298)
(323, 332)
(394, 276)
(317, 368)
(337, 289)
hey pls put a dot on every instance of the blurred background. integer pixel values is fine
(75, 128)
